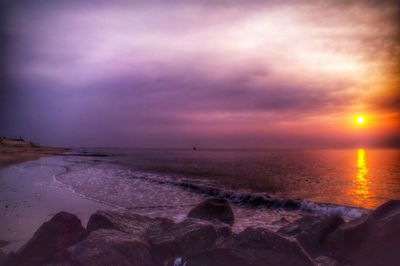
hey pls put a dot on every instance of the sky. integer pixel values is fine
(215, 74)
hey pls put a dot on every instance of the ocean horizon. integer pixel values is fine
(359, 177)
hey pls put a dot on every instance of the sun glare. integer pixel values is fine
(360, 120)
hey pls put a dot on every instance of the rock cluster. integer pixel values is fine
(369, 240)
(206, 238)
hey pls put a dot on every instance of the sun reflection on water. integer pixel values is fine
(361, 190)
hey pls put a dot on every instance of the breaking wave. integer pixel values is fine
(254, 199)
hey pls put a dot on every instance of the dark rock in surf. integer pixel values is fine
(188, 238)
(126, 221)
(311, 231)
(109, 247)
(213, 209)
(61, 231)
(370, 240)
(256, 247)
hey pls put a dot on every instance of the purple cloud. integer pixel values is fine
(151, 74)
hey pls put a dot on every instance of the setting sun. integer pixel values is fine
(360, 120)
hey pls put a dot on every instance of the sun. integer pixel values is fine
(360, 120)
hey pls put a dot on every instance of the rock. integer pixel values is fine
(223, 230)
(8, 259)
(213, 209)
(254, 246)
(4, 243)
(369, 240)
(2, 257)
(326, 261)
(176, 261)
(311, 231)
(109, 247)
(58, 264)
(126, 221)
(190, 237)
(61, 231)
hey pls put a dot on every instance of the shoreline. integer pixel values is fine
(47, 195)
(44, 196)
(10, 155)
(29, 196)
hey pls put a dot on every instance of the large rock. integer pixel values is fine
(61, 231)
(223, 230)
(255, 246)
(326, 261)
(369, 240)
(2, 256)
(213, 209)
(126, 221)
(4, 243)
(311, 231)
(109, 247)
(190, 237)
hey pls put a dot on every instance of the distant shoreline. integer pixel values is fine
(12, 152)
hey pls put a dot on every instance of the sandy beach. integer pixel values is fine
(50, 192)
(20, 151)
(30, 195)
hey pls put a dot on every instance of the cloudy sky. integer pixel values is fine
(218, 74)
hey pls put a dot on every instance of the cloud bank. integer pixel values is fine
(214, 74)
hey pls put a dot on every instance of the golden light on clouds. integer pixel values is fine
(326, 70)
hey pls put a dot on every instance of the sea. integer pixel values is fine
(266, 188)
(343, 180)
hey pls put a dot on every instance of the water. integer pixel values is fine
(170, 182)
(352, 177)
(267, 188)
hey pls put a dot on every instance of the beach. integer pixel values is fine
(35, 190)
(49, 217)
(12, 152)
(199, 133)
(166, 185)
(29, 194)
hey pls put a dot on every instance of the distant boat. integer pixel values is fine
(194, 148)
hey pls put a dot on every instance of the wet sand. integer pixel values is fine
(10, 155)
(29, 196)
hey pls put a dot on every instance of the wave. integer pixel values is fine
(72, 189)
(243, 198)
(255, 199)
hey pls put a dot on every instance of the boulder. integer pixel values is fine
(59, 264)
(213, 209)
(254, 246)
(176, 261)
(60, 232)
(311, 231)
(223, 230)
(326, 261)
(126, 221)
(369, 240)
(109, 247)
(190, 237)
(4, 243)
(2, 256)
